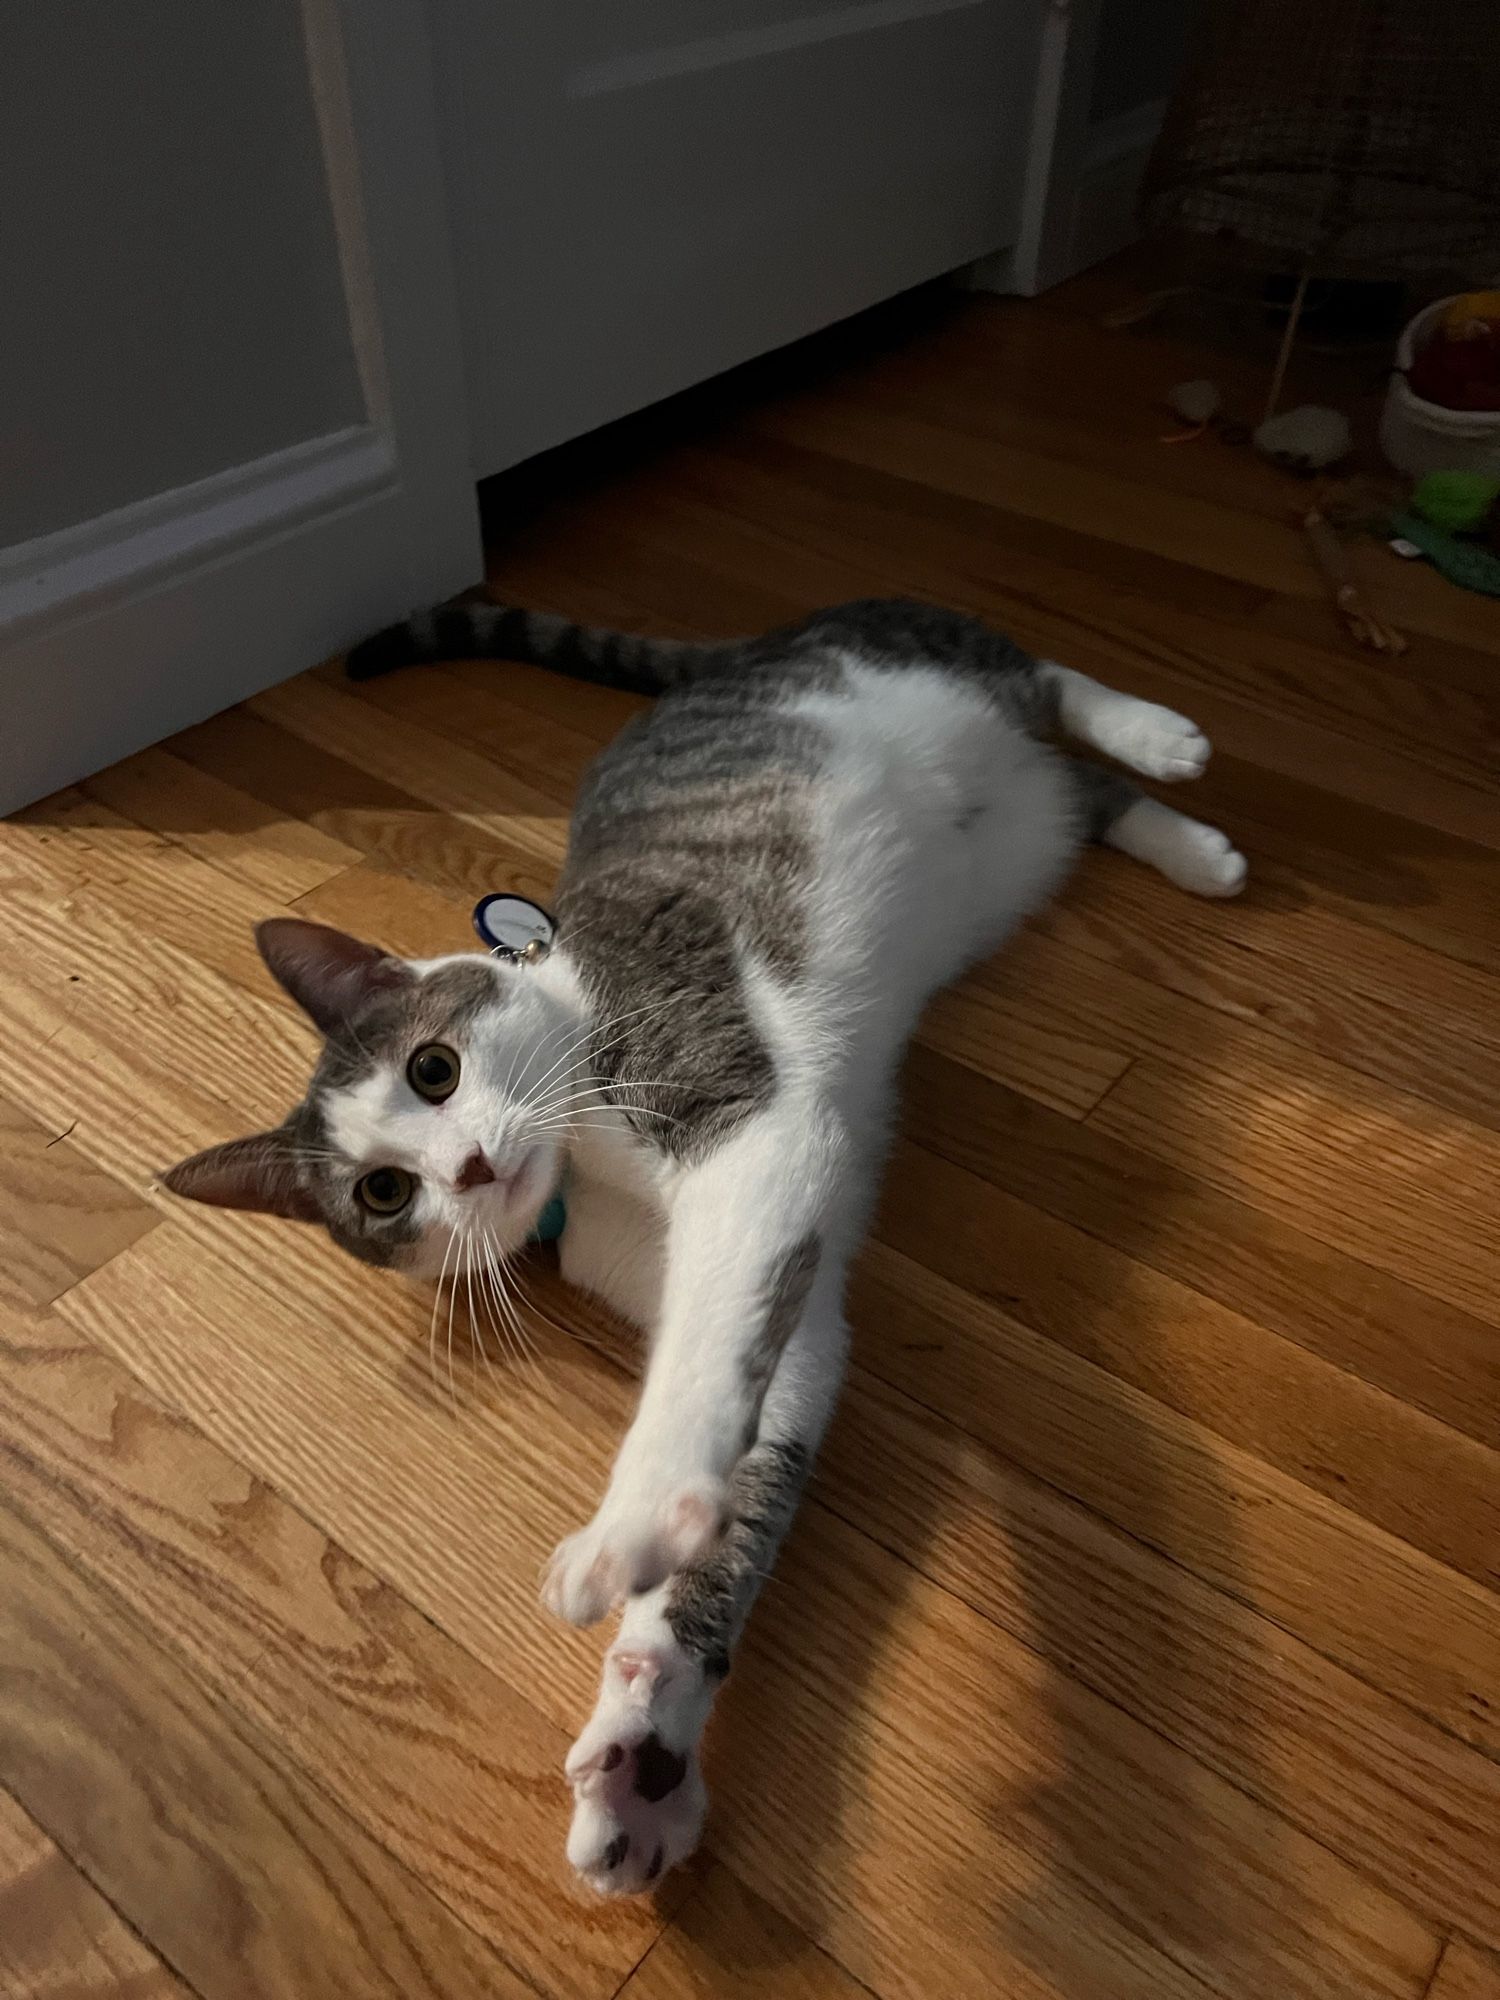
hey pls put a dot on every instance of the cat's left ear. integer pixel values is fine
(258, 1173)
(328, 973)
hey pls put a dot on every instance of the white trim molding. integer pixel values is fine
(76, 569)
(1082, 178)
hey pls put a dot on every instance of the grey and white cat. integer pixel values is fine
(769, 872)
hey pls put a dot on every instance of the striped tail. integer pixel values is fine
(481, 631)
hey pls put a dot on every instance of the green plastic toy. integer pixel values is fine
(1456, 501)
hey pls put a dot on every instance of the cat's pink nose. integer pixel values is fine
(476, 1171)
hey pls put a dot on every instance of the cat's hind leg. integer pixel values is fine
(1117, 813)
(639, 1797)
(1142, 735)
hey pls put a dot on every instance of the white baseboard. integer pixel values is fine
(127, 629)
(77, 569)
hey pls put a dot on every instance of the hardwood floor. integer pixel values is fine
(1140, 1639)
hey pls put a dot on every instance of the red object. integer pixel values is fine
(1459, 371)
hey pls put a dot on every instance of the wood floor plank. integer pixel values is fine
(725, 1944)
(1381, 1172)
(1417, 1348)
(379, 822)
(413, 918)
(1044, 973)
(982, 1769)
(768, 572)
(188, 1819)
(1392, 1616)
(1465, 1974)
(501, 1502)
(458, 780)
(539, 749)
(60, 1217)
(1130, 512)
(1404, 1186)
(1414, 1018)
(280, 855)
(1398, 1798)
(72, 844)
(1413, 1476)
(59, 1939)
(186, 1036)
(447, 1768)
(1021, 1045)
(1076, 412)
(1309, 845)
(1069, 1773)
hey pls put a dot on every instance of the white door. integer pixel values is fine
(232, 434)
(645, 192)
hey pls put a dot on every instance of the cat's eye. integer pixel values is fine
(433, 1072)
(385, 1190)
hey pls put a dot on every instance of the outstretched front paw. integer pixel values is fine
(631, 1546)
(639, 1796)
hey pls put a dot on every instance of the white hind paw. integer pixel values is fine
(1157, 742)
(1207, 862)
(1196, 857)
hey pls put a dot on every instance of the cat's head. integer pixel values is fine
(432, 1130)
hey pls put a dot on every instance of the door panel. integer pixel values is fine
(234, 435)
(644, 194)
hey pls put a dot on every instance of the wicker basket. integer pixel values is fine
(1338, 137)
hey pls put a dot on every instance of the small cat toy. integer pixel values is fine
(521, 933)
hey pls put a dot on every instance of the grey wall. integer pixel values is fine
(1141, 43)
(169, 294)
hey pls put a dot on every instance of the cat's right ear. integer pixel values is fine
(327, 973)
(258, 1173)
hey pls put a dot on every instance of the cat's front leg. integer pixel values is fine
(747, 1254)
(639, 1797)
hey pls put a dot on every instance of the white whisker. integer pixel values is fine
(437, 1297)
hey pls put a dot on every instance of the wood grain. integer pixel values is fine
(728, 1945)
(1412, 1627)
(279, 854)
(1406, 1186)
(1367, 1323)
(1306, 976)
(240, 1873)
(451, 1772)
(60, 1217)
(1367, 1449)
(437, 770)
(1465, 1974)
(376, 820)
(1399, 1798)
(59, 1939)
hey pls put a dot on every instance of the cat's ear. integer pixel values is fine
(327, 973)
(258, 1173)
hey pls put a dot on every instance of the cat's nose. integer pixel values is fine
(476, 1171)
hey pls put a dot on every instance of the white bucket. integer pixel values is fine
(1420, 437)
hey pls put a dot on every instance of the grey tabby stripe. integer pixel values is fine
(708, 1604)
(783, 1299)
(479, 630)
